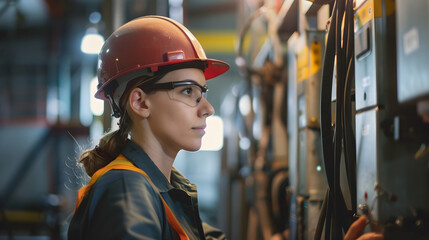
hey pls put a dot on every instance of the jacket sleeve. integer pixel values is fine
(126, 208)
(212, 233)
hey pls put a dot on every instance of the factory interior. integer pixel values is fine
(322, 117)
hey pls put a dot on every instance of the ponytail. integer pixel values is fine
(111, 144)
(108, 148)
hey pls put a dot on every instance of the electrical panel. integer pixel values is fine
(311, 175)
(308, 93)
(391, 185)
(413, 50)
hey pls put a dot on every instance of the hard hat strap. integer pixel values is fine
(116, 110)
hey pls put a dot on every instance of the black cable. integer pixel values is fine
(325, 100)
(349, 137)
(345, 74)
(325, 119)
(322, 217)
(336, 188)
(338, 143)
(329, 212)
(351, 141)
(340, 43)
(326, 92)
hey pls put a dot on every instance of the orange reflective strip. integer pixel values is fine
(123, 163)
(173, 222)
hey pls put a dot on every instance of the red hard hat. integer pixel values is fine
(143, 45)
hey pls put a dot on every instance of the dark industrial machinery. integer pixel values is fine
(357, 118)
(311, 182)
(391, 180)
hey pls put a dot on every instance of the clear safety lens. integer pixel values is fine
(189, 94)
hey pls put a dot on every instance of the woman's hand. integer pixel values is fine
(357, 227)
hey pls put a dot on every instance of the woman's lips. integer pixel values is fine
(200, 129)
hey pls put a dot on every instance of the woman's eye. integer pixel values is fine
(187, 91)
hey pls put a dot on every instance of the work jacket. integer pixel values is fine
(123, 204)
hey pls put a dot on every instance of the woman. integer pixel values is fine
(153, 71)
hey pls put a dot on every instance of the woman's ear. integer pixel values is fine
(139, 102)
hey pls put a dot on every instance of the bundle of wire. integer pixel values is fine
(335, 217)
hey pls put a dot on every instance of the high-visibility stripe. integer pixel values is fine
(217, 41)
(225, 42)
(121, 162)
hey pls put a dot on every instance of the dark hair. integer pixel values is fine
(111, 144)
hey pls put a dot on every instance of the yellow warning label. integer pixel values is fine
(302, 64)
(365, 13)
(371, 9)
(315, 57)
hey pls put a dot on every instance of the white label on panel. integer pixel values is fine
(365, 130)
(366, 81)
(411, 41)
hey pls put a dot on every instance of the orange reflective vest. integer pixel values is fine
(121, 162)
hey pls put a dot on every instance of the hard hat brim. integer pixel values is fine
(214, 69)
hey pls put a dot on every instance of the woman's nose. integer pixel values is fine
(206, 108)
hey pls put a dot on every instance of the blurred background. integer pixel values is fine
(323, 114)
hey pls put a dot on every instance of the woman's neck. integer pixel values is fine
(160, 157)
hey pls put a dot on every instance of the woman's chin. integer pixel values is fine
(193, 148)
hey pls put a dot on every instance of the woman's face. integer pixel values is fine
(176, 122)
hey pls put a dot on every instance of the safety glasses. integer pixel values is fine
(188, 92)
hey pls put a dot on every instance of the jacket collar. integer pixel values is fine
(138, 156)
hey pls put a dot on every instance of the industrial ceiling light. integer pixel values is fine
(244, 105)
(91, 42)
